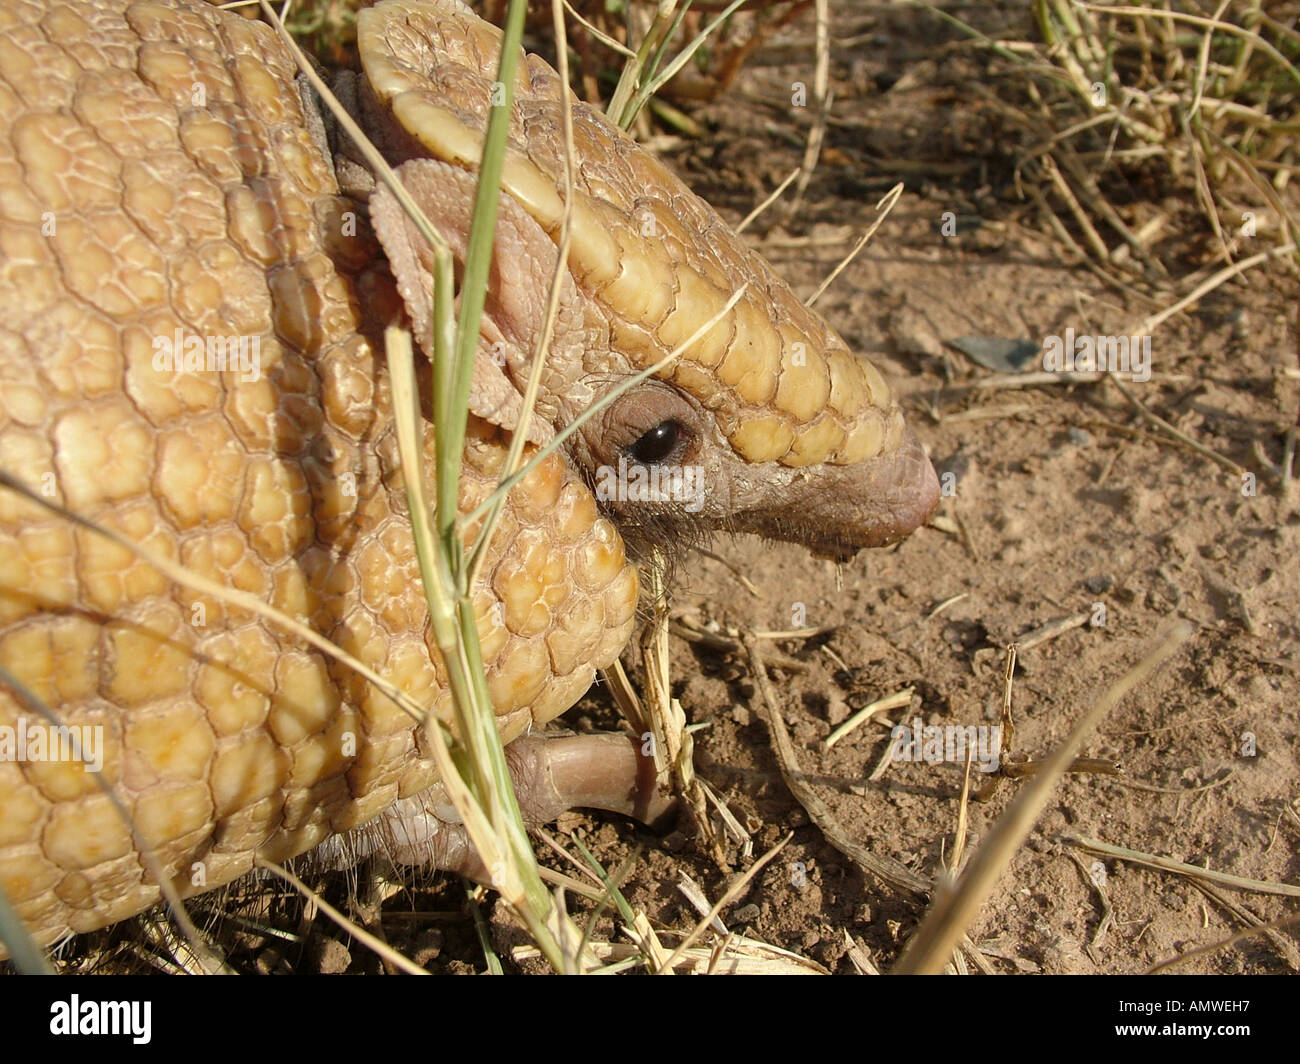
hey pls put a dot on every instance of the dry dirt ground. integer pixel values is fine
(1064, 504)
(1061, 502)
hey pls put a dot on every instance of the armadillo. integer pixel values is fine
(193, 283)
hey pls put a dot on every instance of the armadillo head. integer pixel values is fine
(767, 423)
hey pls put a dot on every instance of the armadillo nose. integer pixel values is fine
(898, 493)
(869, 504)
(881, 501)
(915, 491)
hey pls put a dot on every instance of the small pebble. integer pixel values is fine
(332, 957)
(428, 945)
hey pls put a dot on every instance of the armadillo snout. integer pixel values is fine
(838, 510)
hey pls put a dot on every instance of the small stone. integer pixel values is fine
(428, 945)
(332, 957)
(271, 962)
(568, 821)
(746, 914)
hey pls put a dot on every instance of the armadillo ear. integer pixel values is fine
(446, 195)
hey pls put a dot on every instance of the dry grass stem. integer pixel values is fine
(1168, 864)
(952, 912)
(380, 947)
(885, 869)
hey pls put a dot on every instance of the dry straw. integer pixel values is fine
(1132, 114)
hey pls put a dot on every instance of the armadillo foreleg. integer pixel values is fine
(552, 774)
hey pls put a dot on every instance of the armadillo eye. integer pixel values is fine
(657, 444)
